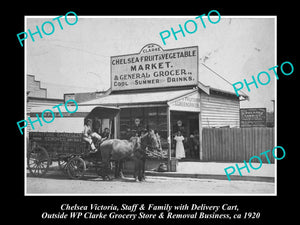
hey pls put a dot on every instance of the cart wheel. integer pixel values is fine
(62, 164)
(76, 167)
(38, 161)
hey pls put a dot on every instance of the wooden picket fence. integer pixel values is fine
(237, 144)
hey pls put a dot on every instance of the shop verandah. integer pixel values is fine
(165, 112)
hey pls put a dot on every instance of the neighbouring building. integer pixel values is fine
(37, 96)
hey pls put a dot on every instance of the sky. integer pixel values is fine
(77, 58)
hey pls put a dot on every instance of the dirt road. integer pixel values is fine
(58, 184)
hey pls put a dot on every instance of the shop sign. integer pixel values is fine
(154, 67)
(253, 117)
(189, 103)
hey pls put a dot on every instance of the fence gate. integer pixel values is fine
(237, 144)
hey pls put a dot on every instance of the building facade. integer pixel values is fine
(168, 91)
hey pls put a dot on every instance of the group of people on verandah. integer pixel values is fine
(191, 143)
(183, 143)
(92, 130)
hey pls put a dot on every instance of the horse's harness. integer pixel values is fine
(143, 147)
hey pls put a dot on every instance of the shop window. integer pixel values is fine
(152, 118)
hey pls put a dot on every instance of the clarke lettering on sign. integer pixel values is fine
(151, 48)
(154, 67)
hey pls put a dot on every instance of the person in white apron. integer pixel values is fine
(179, 151)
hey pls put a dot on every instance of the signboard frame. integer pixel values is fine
(261, 122)
(161, 50)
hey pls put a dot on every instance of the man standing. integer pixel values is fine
(137, 127)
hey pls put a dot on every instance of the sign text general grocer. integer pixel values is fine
(155, 69)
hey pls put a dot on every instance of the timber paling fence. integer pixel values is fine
(237, 144)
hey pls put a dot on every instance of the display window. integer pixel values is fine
(135, 121)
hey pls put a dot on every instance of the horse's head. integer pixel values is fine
(136, 143)
(136, 147)
(150, 140)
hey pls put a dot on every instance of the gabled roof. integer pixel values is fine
(211, 80)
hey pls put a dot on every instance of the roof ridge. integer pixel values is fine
(220, 76)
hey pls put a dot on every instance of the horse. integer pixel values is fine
(148, 141)
(120, 150)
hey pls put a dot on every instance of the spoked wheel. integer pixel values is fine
(76, 167)
(38, 161)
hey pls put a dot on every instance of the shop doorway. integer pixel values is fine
(188, 125)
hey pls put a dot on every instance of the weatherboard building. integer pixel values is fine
(169, 90)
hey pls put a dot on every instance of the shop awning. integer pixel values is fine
(82, 111)
(139, 98)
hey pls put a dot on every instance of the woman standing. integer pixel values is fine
(180, 153)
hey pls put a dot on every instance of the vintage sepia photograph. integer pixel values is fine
(150, 105)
